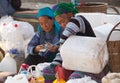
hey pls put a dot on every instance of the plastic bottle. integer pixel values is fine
(36, 73)
(59, 75)
(8, 64)
(23, 68)
(39, 77)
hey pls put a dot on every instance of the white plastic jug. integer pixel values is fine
(8, 64)
(20, 78)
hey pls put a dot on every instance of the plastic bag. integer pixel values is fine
(20, 33)
(4, 21)
(16, 34)
(41, 66)
(14, 39)
(27, 32)
(85, 79)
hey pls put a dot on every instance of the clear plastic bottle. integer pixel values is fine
(37, 74)
(40, 79)
(23, 68)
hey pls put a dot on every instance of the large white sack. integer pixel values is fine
(113, 19)
(19, 35)
(95, 19)
(14, 39)
(87, 54)
(98, 19)
(26, 31)
(104, 30)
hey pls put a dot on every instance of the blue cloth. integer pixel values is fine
(6, 8)
(46, 11)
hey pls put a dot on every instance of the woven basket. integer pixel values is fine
(2, 53)
(114, 51)
(93, 7)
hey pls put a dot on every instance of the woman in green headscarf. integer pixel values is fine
(62, 8)
(64, 15)
(73, 25)
(44, 45)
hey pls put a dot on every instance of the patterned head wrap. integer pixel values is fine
(46, 11)
(64, 8)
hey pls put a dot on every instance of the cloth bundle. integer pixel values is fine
(111, 78)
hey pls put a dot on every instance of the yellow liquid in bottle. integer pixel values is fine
(59, 81)
(40, 79)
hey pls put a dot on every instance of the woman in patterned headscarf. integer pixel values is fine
(73, 25)
(49, 32)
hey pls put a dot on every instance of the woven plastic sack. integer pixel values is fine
(87, 54)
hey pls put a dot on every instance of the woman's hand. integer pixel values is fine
(38, 48)
(53, 48)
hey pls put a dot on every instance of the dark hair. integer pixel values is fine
(49, 17)
(16, 4)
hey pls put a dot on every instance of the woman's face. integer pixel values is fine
(62, 19)
(46, 23)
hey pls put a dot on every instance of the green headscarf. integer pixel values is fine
(64, 8)
(46, 11)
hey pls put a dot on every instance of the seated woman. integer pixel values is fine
(73, 25)
(44, 45)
